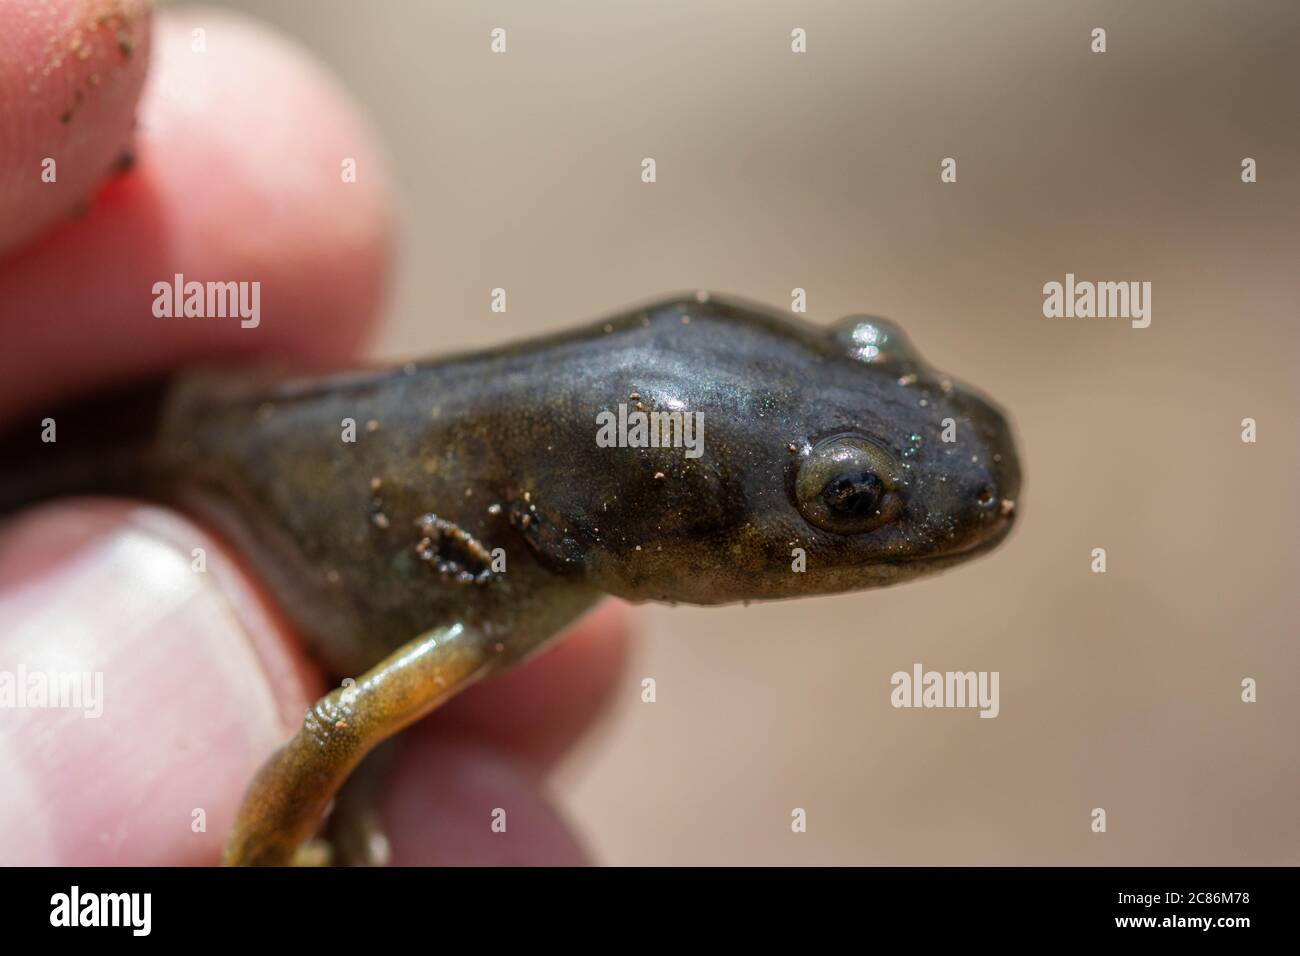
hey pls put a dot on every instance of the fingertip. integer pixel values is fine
(270, 169)
(71, 72)
(459, 803)
(253, 168)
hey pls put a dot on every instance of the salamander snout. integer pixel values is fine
(989, 482)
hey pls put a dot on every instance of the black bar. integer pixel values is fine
(302, 906)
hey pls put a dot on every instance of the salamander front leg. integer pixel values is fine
(284, 803)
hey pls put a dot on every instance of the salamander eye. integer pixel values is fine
(848, 485)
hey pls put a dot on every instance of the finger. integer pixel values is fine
(197, 685)
(541, 709)
(453, 802)
(200, 681)
(241, 176)
(70, 75)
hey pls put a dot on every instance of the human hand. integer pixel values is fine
(237, 153)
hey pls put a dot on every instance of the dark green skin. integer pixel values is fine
(263, 462)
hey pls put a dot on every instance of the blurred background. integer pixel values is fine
(821, 171)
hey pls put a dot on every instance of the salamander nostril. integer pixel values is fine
(985, 497)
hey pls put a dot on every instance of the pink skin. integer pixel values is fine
(237, 177)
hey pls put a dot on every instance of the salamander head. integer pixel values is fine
(822, 460)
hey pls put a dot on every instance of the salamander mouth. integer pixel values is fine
(994, 535)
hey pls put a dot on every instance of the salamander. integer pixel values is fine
(428, 525)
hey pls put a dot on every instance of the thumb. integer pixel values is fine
(177, 682)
